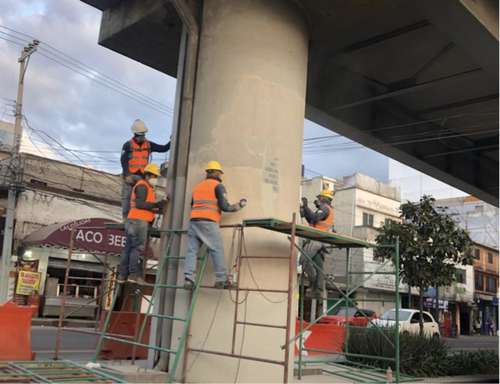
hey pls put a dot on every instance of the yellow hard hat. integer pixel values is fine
(214, 166)
(153, 169)
(326, 193)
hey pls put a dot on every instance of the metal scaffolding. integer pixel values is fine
(62, 371)
(294, 232)
(108, 291)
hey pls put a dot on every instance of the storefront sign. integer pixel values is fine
(28, 283)
(91, 235)
(430, 302)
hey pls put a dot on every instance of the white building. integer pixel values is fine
(480, 219)
(361, 205)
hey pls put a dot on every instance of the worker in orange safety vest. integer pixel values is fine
(135, 155)
(143, 208)
(208, 202)
(321, 219)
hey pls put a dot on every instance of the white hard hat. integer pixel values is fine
(139, 127)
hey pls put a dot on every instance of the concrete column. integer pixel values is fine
(249, 115)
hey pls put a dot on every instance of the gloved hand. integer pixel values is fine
(160, 204)
(243, 203)
(304, 201)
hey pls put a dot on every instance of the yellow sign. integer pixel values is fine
(27, 283)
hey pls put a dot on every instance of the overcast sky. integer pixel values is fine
(82, 114)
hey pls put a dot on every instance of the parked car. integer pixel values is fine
(409, 321)
(355, 317)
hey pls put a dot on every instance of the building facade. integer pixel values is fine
(480, 219)
(51, 191)
(486, 277)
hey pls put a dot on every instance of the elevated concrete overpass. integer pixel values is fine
(416, 80)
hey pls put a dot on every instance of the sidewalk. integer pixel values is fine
(469, 343)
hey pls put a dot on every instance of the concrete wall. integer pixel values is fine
(248, 114)
(344, 208)
(37, 208)
(379, 206)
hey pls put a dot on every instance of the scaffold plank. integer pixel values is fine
(306, 232)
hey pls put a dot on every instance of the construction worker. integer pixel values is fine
(321, 219)
(208, 202)
(135, 156)
(143, 207)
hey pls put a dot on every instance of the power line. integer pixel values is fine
(50, 49)
(52, 139)
(63, 59)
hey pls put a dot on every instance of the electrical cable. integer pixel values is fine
(63, 147)
(50, 52)
(253, 277)
(242, 343)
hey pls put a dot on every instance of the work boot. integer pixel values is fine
(134, 278)
(188, 284)
(224, 285)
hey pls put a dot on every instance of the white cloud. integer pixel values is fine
(74, 109)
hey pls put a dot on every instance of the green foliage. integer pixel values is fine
(419, 356)
(472, 363)
(430, 244)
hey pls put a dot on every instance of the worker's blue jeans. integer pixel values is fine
(126, 192)
(136, 232)
(208, 233)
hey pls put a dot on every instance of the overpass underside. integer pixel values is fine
(414, 80)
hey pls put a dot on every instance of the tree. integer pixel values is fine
(431, 245)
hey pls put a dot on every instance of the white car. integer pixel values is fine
(409, 322)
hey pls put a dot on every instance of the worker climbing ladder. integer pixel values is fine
(157, 287)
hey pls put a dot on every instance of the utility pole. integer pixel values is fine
(15, 168)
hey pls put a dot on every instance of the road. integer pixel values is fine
(470, 343)
(79, 346)
(74, 346)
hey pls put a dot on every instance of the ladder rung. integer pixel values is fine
(265, 257)
(261, 325)
(139, 344)
(165, 317)
(161, 285)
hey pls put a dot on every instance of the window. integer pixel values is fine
(460, 276)
(491, 285)
(415, 318)
(391, 315)
(479, 284)
(427, 318)
(490, 258)
(367, 219)
(364, 313)
(477, 253)
(388, 221)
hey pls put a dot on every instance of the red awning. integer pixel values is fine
(90, 236)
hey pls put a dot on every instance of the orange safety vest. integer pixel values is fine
(326, 224)
(205, 204)
(139, 156)
(142, 214)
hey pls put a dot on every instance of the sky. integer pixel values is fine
(71, 110)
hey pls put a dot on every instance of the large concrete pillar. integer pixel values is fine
(248, 114)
